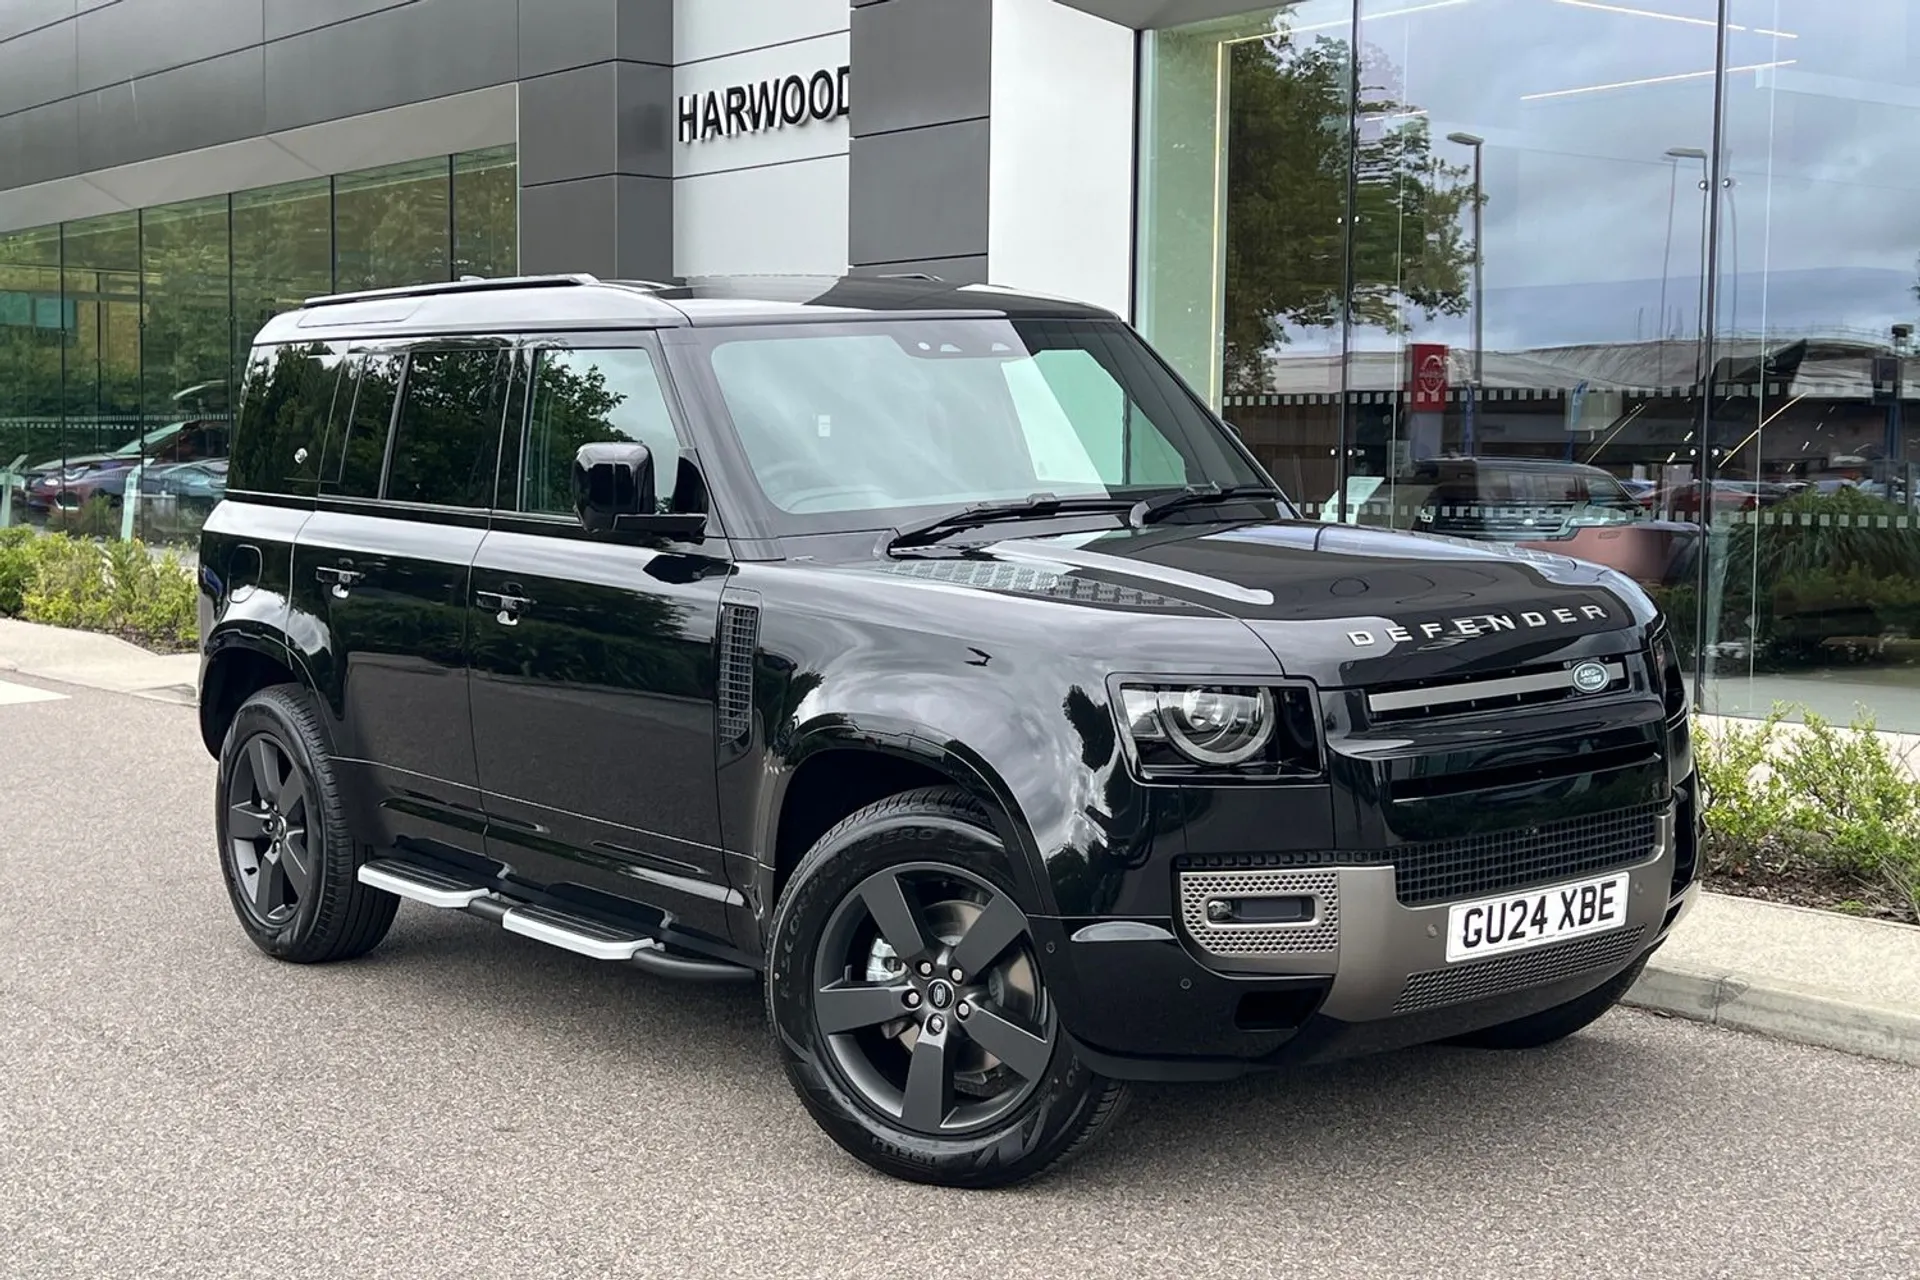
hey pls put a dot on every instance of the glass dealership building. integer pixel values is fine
(1634, 280)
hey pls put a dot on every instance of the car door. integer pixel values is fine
(384, 564)
(594, 656)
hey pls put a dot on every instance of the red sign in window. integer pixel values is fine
(1427, 379)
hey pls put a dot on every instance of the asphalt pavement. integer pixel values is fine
(468, 1103)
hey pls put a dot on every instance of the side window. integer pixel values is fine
(590, 397)
(357, 442)
(283, 418)
(1081, 425)
(447, 439)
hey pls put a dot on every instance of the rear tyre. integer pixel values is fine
(1557, 1023)
(907, 1001)
(290, 864)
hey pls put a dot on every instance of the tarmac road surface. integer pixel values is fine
(468, 1103)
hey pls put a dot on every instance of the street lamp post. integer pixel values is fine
(1479, 311)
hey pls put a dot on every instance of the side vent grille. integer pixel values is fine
(739, 639)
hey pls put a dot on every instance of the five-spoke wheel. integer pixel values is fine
(291, 865)
(910, 1002)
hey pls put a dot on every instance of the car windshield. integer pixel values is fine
(843, 421)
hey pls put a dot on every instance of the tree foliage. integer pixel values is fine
(1291, 140)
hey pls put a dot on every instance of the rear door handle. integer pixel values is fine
(340, 576)
(506, 608)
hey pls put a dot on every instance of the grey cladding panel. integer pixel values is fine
(569, 226)
(920, 62)
(201, 105)
(644, 227)
(39, 144)
(613, 117)
(38, 67)
(558, 34)
(24, 15)
(568, 125)
(138, 37)
(427, 49)
(646, 31)
(290, 17)
(920, 194)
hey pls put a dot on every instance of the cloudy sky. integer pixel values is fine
(1579, 100)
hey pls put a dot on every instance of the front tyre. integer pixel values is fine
(290, 864)
(907, 1000)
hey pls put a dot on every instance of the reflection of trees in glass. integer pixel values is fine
(1289, 145)
(187, 342)
(572, 406)
(284, 410)
(391, 226)
(486, 190)
(282, 253)
(353, 464)
(449, 432)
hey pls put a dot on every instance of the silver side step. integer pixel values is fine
(570, 933)
(418, 884)
(561, 929)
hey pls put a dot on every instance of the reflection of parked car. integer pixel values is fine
(69, 481)
(1567, 507)
(1729, 496)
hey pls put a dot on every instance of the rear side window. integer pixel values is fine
(447, 439)
(288, 393)
(363, 412)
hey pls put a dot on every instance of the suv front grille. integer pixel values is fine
(1480, 865)
(1492, 691)
(1473, 866)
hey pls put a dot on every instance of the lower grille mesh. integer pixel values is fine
(1440, 987)
(1502, 860)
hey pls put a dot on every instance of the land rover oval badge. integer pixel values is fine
(1591, 677)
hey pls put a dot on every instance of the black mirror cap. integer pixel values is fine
(611, 480)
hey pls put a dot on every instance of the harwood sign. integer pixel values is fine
(767, 104)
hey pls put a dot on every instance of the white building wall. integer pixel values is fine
(1060, 203)
(766, 200)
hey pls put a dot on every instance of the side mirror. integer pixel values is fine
(612, 480)
(613, 492)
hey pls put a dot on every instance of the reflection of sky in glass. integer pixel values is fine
(1593, 232)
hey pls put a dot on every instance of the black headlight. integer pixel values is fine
(1206, 730)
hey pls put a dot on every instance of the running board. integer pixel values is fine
(561, 929)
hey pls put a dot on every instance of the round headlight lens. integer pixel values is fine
(1216, 727)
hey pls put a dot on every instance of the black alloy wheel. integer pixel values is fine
(910, 1004)
(928, 997)
(269, 808)
(290, 862)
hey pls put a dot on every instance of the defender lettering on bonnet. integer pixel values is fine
(1481, 624)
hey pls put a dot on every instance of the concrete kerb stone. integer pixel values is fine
(1783, 1010)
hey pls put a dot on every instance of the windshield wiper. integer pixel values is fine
(1148, 510)
(921, 532)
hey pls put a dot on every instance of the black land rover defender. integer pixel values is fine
(934, 657)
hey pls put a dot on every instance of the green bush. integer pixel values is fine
(116, 587)
(94, 518)
(1820, 797)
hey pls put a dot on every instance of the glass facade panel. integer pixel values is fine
(1499, 269)
(486, 219)
(393, 226)
(1814, 578)
(124, 338)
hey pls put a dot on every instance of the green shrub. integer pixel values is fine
(119, 588)
(16, 566)
(1818, 797)
(94, 518)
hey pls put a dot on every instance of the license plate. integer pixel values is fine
(1517, 921)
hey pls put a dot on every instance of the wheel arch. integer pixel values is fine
(834, 768)
(237, 663)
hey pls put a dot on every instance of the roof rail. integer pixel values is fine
(475, 285)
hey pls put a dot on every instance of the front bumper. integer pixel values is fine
(1366, 973)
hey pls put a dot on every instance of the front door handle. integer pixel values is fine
(506, 608)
